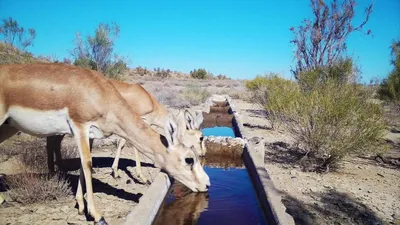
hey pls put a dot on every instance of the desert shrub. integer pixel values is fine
(97, 52)
(31, 187)
(199, 74)
(330, 121)
(222, 77)
(142, 71)
(16, 35)
(343, 71)
(12, 55)
(35, 184)
(390, 87)
(195, 95)
(162, 72)
(263, 89)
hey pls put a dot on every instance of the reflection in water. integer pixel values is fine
(182, 207)
(216, 119)
(230, 200)
(221, 161)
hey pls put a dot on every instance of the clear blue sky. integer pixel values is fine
(238, 38)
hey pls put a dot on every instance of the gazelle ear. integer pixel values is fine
(198, 119)
(171, 130)
(189, 120)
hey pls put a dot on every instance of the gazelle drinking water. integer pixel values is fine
(154, 114)
(55, 99)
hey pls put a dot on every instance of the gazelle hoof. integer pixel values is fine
(5, 205)
(102, 221)
(115, 175)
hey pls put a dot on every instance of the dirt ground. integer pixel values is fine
(114, 198)
(361, 191)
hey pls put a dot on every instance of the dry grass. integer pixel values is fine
(35, 184)
(182, 93)
(32, 187)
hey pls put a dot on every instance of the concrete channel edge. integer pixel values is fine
(145, 212)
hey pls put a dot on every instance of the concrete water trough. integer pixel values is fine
(236, 152)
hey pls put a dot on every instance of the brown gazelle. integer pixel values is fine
(55, 99)
(154, 114)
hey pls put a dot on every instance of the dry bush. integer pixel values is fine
(170, 97)
(31, 187)
(195, 95)
(16, 145)
(35, 184)
(330, 121)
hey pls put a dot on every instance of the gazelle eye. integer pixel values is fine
(201, 138)
(189, 161)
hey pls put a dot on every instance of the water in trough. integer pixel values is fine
(230, 200)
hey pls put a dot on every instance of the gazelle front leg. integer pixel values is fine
(79, 190)
(139, 167)
(121, 145)
(86, 161)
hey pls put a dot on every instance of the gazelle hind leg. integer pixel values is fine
(139, 168)
(84, 150)
(6, 131)
(121, 145)
(53, 146)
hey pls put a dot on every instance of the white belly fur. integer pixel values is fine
(38, 122)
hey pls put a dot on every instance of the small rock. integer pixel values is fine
(65, 209)
(40, 209)
(369, 191)
(380, 175)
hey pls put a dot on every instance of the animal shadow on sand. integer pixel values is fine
(105, 188)
(283, 153)
(105, 162)
(333, 208)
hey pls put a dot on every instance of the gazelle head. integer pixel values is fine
(180, 161)
(192, 137)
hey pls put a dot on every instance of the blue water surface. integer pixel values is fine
(218, 131)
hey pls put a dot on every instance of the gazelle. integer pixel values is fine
(154, 114)
(55, 99)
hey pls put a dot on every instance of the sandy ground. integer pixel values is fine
(362, 191)
(114, 198)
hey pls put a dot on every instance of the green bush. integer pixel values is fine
(97, 52)
(199, 74)
(329, 122)
(272, 87)
(343, 71)
(390, 87)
